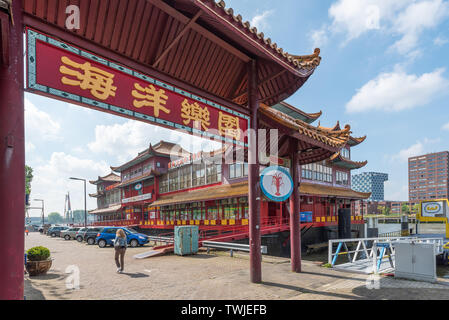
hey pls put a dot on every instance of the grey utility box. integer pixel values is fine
(415, 261)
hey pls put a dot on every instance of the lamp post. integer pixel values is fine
(85, 204)
(43, 213)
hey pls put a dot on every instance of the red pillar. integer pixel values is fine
(295, 220)
(253, 179)
(12, 163)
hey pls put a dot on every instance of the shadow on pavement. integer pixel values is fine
(31, 293)
(48, 276)
(136, 275)
(309, 291)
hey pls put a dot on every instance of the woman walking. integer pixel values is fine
(120, 245)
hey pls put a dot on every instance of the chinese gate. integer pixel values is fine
(190, 65)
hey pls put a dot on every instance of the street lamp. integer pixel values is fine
(85, 205)
(42, 210)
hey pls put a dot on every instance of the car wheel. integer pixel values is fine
(134, 243)
(90, 241)
(53, 235)
(79, 239)
(102, 243)
(67, 237)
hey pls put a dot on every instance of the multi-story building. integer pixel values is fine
(107, 195)
(165, 186)
(428, 177)
(372, 182)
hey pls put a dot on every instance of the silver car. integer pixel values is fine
(69, 234)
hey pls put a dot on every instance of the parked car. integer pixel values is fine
(70, 233)
(55, 231)
(79, 236)
(91, 234)
(44, 228)
(107, 237)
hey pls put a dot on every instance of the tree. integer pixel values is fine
(405, 209)
(384, 210)
(55, 218)
(78, 216)
(416, 208)
(28, 179)
(380, 209)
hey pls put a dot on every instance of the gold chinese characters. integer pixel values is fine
(99, 82)
(194, 112)
(150, 97)
(229, 126)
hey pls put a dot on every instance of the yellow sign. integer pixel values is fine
(434, 211)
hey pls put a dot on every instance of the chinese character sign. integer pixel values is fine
(87, 77)
(64, 72)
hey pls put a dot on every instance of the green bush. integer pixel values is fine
(38, 254)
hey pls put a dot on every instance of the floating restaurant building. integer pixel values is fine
(166, 186)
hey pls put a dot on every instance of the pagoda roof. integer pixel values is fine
(341, 161)
(352, 140)
(356, 141)
(334, 138)
(161, 149)
(297, 113)
(112, 177)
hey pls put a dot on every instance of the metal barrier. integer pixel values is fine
(230, 246)
(363, 248)
(157, 239)
(374, 251)
(385, 249)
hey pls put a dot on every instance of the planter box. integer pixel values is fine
(36, 268)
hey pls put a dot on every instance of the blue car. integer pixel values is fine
(107, 236)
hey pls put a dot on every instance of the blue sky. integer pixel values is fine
(384, 71)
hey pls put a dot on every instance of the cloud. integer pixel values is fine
(440, 41)
(260, 20)
(319, 38)
(125, 141)
(40, 124)
(51, 181)
(419, 148)
(355, 17)
(415, 19)
(404, 18)
(398, 91)
(446, 127)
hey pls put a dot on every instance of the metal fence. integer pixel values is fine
(373, 251)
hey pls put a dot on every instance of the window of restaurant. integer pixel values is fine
(317, 172)
(342, 178)
(163, 184)
(174, 180)
(212, 213)
(197, 211)
(198, 175)
(238, 170)
(185, 177)
(231, 208)
(213, 173)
